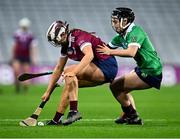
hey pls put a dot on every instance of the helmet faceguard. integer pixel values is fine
(122, 13)
(55, 32)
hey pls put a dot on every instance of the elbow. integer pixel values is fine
(131, 51)
(129, 55)
(91, 57)
(132, 54)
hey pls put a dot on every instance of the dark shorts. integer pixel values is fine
(23, 59)
(154, 81)
(109, 67)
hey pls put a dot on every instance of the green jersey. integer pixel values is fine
(146, 56)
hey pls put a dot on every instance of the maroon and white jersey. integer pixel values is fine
(79, 39)
(23, 44)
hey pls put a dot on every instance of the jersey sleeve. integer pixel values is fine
(136, 38)
(115, 42)
(34, 42)
(82, 42)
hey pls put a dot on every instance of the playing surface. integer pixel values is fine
(160, 111)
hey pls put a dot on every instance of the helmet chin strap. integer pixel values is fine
(125, 25)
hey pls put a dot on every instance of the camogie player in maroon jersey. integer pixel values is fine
(23, 51)
(93, 68)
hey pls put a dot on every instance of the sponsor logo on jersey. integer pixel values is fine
(133, 39)
(144, 75)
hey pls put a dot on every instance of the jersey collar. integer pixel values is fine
(129, 29)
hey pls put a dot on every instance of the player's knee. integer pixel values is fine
(71, 80)
(115, 89)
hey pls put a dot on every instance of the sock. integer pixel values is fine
(129, 110)
(58, 116)
(73, 105)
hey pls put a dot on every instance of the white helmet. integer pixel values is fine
(25, 22)
(54, 32)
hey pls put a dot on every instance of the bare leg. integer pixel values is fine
(121, 90)
(131, 99)
(70, 92)
(72, 87)
(64, 101)
(26, 68)
(16, 67)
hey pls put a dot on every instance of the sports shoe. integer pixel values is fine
(52, 122)
(129, 119)
(122, 119)
(72, 117)
(134, 120)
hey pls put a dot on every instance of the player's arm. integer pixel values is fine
(88, 57)
(34, 51)
(55, 76)
(13, 51)
(129, 52)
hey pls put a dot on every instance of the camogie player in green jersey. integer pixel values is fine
(136, 44)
